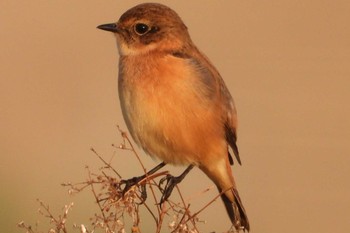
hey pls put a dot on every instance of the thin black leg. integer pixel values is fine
(171, 182)
(135, 180)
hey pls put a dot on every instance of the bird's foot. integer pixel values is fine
(138, 181)
(171, 182)
(129, 183)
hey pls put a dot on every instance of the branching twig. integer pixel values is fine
(115, 205)
(125, 137)
(107, 164)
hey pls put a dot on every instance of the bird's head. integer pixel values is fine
(149, 27)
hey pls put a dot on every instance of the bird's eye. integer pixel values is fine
(141, 28)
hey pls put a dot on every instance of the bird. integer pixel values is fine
(175, 103)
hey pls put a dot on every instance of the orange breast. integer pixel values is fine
(168, 111)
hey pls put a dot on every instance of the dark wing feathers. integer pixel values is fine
(231, 138)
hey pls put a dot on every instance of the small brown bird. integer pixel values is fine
(174, 101)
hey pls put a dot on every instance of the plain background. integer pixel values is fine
(287, 64)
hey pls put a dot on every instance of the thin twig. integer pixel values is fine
(161, 218)
(208, 204)
(107, 164)
(97, 200)
(186, 208)
(125, 136)
(59, 223)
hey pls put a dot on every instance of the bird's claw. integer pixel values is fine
(129, 183)
(143, 196)
(171, 182)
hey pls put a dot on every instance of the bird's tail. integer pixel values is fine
(235, 209)
(219, 171)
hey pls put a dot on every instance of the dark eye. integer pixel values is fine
(141, 28)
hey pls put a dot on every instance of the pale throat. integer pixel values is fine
(125, 50)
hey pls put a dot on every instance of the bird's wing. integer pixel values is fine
(215, 84)
(231, 120)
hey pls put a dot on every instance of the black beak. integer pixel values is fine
(111, 27)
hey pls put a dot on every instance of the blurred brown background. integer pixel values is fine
(287, 64)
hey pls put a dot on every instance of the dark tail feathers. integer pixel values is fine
(236, 211)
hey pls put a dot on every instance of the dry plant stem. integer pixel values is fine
(186, 213)
(171, 205)
(163, 211)
(28, 228)
(206, 206)
(148, 209)
(147, 180)
(60, 225)
(186, 208)
(97, 200)
(202, 192)
(184, 222)
(181, 197)
(107, 164)
(161, 218)
(85, 183)
(124, 135)
(108, 220)
(137, 220)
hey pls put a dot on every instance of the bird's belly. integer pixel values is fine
(169, 112)
(170, 126)
(158, 126)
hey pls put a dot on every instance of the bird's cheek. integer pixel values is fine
(123, 48)
(119, 48)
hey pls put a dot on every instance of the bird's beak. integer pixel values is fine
(111, 27)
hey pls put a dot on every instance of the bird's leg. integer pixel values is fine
(171, 182)
(135, 180)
